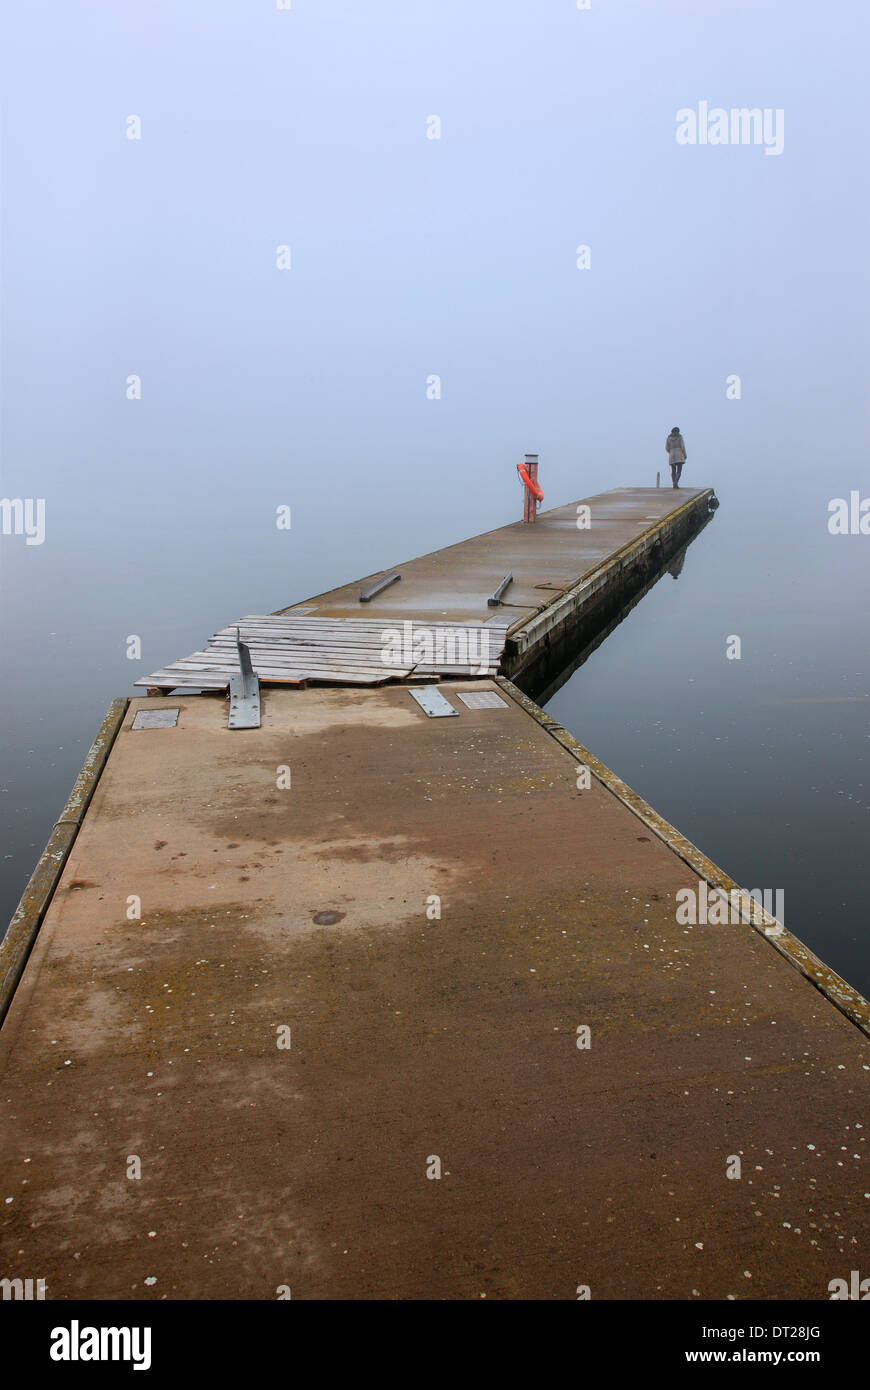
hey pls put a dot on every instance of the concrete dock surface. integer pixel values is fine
(545, 560)
(339, 987)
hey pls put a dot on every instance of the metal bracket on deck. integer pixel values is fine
(244, 692)
(495, 599)
(384, 582)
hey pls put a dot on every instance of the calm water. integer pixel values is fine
(762, 761)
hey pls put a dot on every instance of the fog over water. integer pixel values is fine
(455, 257)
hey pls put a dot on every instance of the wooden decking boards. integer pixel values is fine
(290, 650)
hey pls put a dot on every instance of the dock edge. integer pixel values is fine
(36, 899)
(836, 990)
(565, 609)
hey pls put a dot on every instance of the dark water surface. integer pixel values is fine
(762, 762)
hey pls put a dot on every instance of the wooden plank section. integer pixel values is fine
(425, 918)
(344, 650)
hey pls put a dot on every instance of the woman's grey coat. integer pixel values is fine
(676, 448)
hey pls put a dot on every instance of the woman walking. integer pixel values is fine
(676, 451)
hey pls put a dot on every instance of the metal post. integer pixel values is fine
(530, 504)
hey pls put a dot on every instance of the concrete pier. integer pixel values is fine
(547, 559)
(364, 1004)
(565, 569)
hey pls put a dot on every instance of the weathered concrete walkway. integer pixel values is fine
(414, 1037)
(545, 559)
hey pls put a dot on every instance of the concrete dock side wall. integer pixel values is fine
(608, 585)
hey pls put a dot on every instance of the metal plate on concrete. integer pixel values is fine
(244, 705)
(483, 699)
(244, 691)
(432, 702)
(156, 719)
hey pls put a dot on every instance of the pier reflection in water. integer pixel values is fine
(542, 678)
